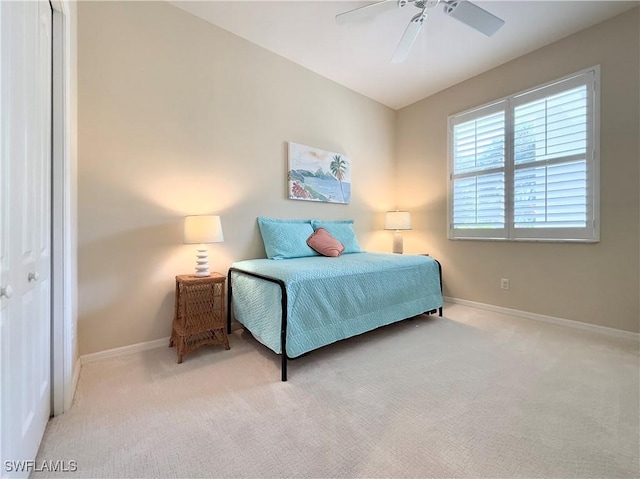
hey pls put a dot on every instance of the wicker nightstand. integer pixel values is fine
(199, 317)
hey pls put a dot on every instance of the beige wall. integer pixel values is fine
(179, 117)
(176, 117)
(593, 283)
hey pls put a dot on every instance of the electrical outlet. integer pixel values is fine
(504, 283)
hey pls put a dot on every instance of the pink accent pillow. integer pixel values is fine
(325, 244)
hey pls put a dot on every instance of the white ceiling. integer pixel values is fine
(357, 55)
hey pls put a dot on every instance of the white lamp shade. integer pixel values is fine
(203, 229)
(397, 220)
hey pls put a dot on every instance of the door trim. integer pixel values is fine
(64, 355)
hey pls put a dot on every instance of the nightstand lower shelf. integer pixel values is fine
(199, 318)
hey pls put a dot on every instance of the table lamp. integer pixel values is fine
(201, 230)
(398, 221)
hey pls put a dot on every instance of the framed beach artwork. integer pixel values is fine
(318, 175)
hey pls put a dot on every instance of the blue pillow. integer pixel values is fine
(284, 239)
(342, 230)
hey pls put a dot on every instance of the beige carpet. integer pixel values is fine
(475, 394)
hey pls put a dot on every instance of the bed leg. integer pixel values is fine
(229, 302)
(439, 274)
(284, 367)
(283, 329)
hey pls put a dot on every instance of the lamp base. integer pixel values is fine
(202, 261)
(397, 242)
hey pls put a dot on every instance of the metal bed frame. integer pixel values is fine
(283, 302)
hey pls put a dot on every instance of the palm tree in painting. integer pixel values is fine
(338, 168)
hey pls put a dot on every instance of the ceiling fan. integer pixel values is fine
(462, 10)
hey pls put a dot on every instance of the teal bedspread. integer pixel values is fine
(330, 299)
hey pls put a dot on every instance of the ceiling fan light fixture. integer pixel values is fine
(462, 10)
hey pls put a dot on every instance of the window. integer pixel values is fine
(526, 167)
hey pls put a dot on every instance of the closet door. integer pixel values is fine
(25, 235)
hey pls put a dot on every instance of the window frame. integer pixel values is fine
(591, 232)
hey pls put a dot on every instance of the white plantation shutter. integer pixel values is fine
(479, 143)
(478, 150)
(526, 167)
(479, 201)
(550, 196)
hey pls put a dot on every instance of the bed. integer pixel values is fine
(296, 305)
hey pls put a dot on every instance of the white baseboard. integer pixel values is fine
(619, 333)
(124, 350)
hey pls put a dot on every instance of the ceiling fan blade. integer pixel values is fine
(366, 12)
(409, 36)
(474, 16)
